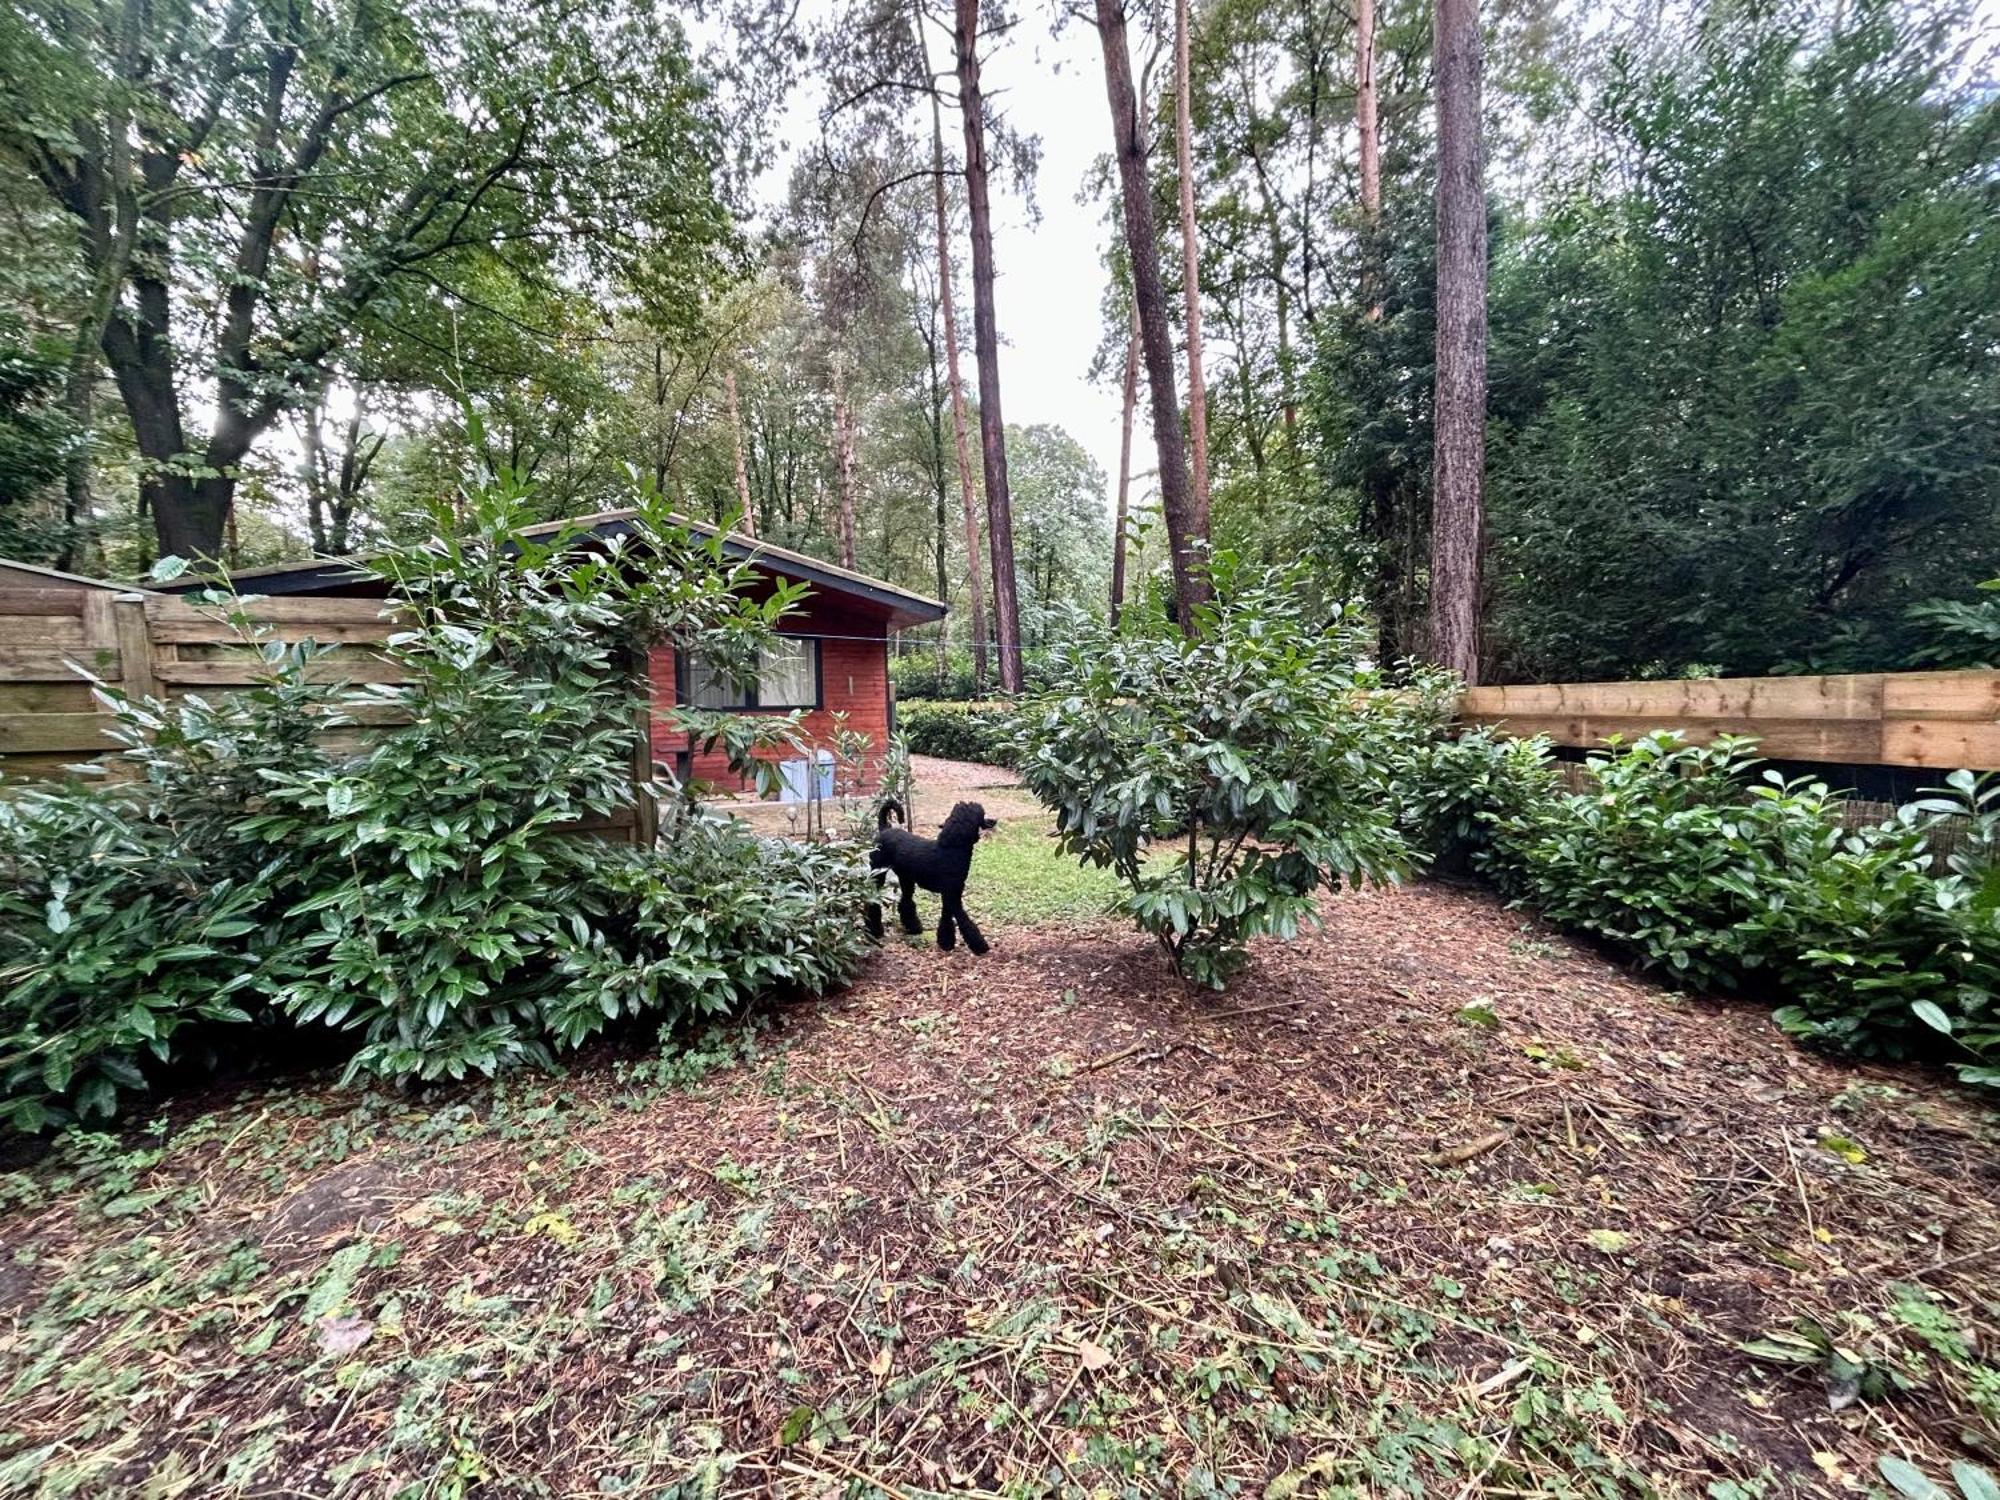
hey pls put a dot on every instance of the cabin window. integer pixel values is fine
(787, 677)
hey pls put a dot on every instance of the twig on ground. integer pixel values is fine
(1251, 1010)
(1452, 1156)
(1799, 1179)
(1492, 1462)
(846, 1468)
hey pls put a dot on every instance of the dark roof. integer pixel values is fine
(330, 575)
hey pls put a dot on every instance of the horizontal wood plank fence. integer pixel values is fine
(1940, 721)
(162, 646)
(152, 645)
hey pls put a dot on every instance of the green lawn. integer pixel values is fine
(1019, 875)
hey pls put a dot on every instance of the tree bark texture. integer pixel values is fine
(1124, 468)
(1368, 124)
(1459, 455)
(992, 430)
(1190, 266)
(843, 440)
(749, 521)
(975, 561)
(1184, 539)
(1367, 109)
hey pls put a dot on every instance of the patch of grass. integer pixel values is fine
(1020, 876)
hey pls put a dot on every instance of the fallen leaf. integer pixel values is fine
(798, 1422)
(1829, 1464)
(1908, 1478)
(1094, 1356)
(1451, 1156)
(1610, 1241)
(555, 1226)
(341, 1336)
(1847, 1150)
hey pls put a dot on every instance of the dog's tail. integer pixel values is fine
(889, 805)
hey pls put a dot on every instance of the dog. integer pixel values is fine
(940, 864)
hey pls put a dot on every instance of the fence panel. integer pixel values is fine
(148, 645)
(1925, 720)
(160, 646)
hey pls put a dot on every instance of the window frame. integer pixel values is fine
(751, 705)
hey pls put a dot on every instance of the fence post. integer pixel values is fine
(135, 647)
(645, 807)
(100, 634)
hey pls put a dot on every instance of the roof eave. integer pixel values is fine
(904, 608)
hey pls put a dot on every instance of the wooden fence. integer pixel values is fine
(161, 646)
(150, 645)
(1929, 720)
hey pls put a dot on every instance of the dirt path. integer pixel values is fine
(1432, 1197)
(939, 783)
(943, 782)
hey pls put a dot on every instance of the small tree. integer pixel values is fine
(1225, 776)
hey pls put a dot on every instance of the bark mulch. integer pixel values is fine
(1433, 1201)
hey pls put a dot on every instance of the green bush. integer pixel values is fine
(917, 675)
(427, 893)
(1680, 855)
(131, 913)
(1449, 788)
(1224, 777)
(982, 732)
(1959, 633)
(714, 918)
(1458, 790)
(111, 942)
(1648, 859)
(1877, 951)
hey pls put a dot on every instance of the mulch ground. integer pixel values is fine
(1433, 1201)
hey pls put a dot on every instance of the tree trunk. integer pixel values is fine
(843, 438)
(1459, 456)
(110, 224)
(1124, 468)
(1191, 265)
(1275, 232)
(975, 567)
(940, 481)
(1367, 114)
(1184, 539)
(79, 399)
(992, 430)
(333, 489)
(1367, 120)
(749, 522)
(1235, 329)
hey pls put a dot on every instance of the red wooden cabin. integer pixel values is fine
(833, 657)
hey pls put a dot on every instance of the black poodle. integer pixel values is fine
(940, 864)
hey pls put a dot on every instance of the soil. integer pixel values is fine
(1433, 1200)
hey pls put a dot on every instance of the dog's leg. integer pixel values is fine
(969, 929)
(947, 928)
(871, 914)
(906, 908)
